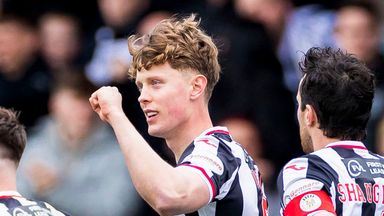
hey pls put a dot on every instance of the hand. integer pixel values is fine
(106, 101)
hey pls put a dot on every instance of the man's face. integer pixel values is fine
(305, 138)
(164, 98)
(357, 33)
(17, 45)
(77, 123)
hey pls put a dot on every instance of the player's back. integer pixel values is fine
(347, 171)
(12, 203)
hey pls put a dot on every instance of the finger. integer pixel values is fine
(94, 103)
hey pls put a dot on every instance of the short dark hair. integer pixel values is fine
(13, 136)
(340, 88)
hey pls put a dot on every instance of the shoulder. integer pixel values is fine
(316, 165)
(294, 179)
(294, 170)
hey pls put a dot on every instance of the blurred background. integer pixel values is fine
(54, 53)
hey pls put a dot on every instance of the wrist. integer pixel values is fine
(116, 115)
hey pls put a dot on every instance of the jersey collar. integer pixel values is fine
(347, 144)
(217, 129)
(9, 194)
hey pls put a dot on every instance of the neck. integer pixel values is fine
(7, 175)
(320, 141)
(187, 132)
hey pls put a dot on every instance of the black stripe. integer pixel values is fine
(10, 202)
(232, 204)
(186, 152)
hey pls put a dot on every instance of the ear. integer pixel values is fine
(198, 84)
(310, 116)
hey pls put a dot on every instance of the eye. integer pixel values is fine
(155, 82)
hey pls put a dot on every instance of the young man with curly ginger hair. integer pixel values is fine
(176, 68)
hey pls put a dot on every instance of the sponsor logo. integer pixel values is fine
(354, 168)
(310, 202)
(213, 163)
(20, 212)
(30, 210)
(301, 187)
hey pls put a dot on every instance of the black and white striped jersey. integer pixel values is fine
(346, 171)
(13, 204)
(230, 173)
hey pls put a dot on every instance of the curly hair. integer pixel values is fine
(12, 135)
(182, 44)
(341, 89)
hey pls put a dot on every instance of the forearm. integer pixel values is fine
(153, 178)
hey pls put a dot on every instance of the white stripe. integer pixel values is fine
(290, 175)
(208, 210)
(3, 209)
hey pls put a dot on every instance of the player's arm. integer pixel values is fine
(168, 190)
(301, 195)
(313, 203)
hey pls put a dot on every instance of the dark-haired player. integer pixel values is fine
(338, 176)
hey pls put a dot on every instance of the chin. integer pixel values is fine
(155, 133)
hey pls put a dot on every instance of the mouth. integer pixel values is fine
(150, 114)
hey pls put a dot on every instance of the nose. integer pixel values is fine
(144, 96)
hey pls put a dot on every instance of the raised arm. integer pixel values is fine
(167, 189)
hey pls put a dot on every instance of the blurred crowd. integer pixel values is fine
(55, 53)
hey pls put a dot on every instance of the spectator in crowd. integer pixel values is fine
(306, 26)
(149, 21)
(12, 143)
(24, 79)
(61, 41)
(357, 30)
(111, 59)
(271, 13)
(73, 159)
